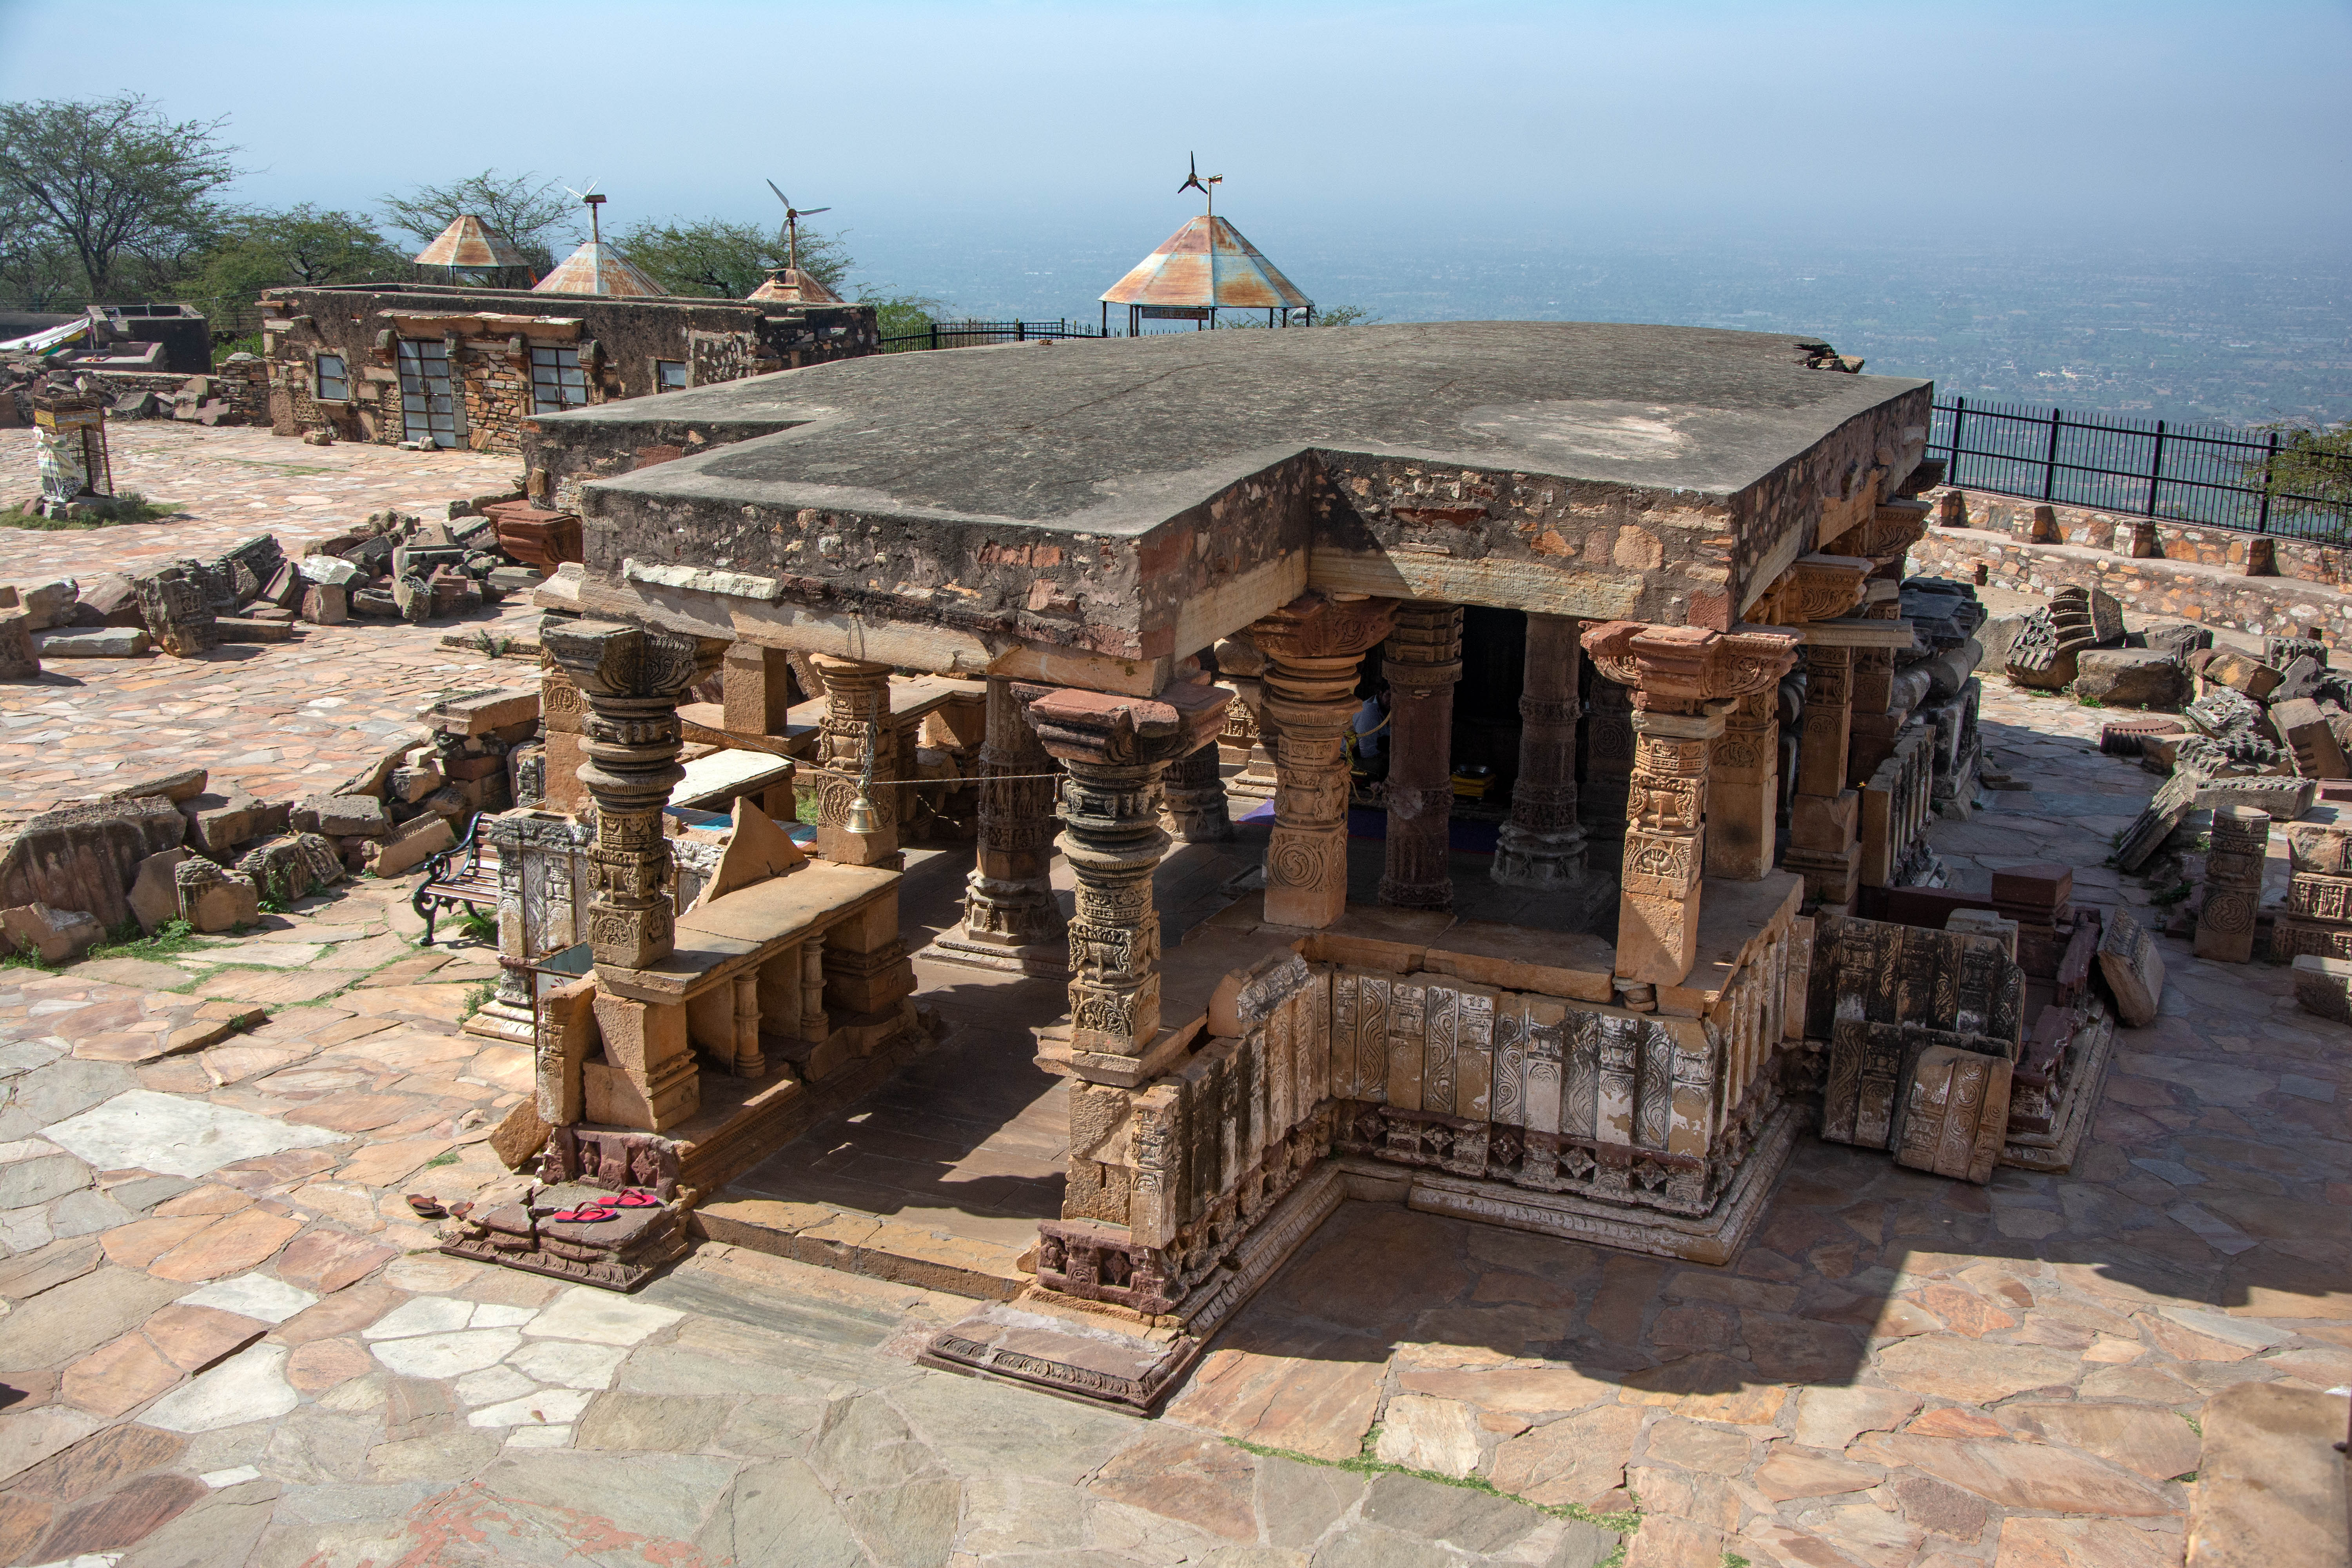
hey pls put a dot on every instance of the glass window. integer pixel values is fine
(333, 387)
(557, 382)
(669, 375)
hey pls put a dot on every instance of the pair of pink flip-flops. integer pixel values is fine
(607, 1208)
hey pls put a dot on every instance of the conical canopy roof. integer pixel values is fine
(1207, 263)
(470, 242)
(791, 286)
(595, 268)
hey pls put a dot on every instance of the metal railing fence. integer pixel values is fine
(2260, 483)
(968, 334)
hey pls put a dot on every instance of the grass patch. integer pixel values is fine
(2089, 701)
(1364, 1464)
(446, 1157)
(171, 939)
(493, 646)
(477, 997)
(27, 957)
(130, 507)
(478, 926)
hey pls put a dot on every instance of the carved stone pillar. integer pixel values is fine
(563, 713)
(1113, 749)
(749, 1062)
(1743, 788)
(1010, 919)
(1247, 739)
(1607, 759)
(758, 692)
(1683, 677)
(1194, 789)
(1543, 844)
(631, 678)
(856, 735)
(1313, 645)
(1422, 661)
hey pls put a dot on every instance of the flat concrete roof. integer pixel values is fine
(1115, 435)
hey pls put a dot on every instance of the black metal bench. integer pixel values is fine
(465, 875)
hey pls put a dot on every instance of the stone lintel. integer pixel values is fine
(1858, 634)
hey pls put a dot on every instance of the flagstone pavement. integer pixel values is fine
(276, 719)
(227, 1340)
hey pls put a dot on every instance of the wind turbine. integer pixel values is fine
(595, 229)
(1192, 183)
(793, 216)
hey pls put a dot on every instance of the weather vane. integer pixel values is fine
(595, 229)
(1192, 182)
(793, 216)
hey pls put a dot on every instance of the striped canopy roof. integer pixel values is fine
(595, 268)
(470, 242)
(1207, 263)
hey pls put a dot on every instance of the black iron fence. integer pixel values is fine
(2263, 482)
(969, 334)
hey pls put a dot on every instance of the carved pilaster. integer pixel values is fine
(1113, 749)
(1193, 788)
(1543, 844)
(1682, 679)
(2233, 884)
(1607, 759)
(1743, 788)
(1313, 645)
(631, 678)
(1010, 919)
(856, 723)
(564, 714)
(1422, 661)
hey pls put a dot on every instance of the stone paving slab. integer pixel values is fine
(275, 719)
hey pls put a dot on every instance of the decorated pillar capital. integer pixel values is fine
(1107, 730)
(1316, 625)
(1813, 588)
(1677, 669)
(1891, 529)
(631, 678)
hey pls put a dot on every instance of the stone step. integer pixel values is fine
(867, 1245)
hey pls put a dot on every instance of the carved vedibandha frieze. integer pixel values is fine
(1313, 645)
(1113, 749)
(631, 678)
(1421, 661)
(1542, 846)
(1683, 681)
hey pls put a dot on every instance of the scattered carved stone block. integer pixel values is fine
(326, 604)
(342, 816)
(2233, 884)
(2168, 809)
(416, 842)
(212, 899)
(2324, 987)
(2241, 673)
(2280, 799)
(2130, 677)
(2301, 677)
(1882, 995)
(2223, 710)
(84, 856)
(155, 894)
(2280, 653)
(2133, 967)
(2035, 657)
(2229, 756)
(18, 661)
(2305, 730)
(56, 936)
(177, 603)
(217, 824)
(2324, 848)
(1956, 1115)
(292, 866)
(2124, 737)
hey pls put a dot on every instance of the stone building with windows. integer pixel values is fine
(455, 365)
(1680, 549)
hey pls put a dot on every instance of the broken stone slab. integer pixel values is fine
(513, 579)
(1955, 1114)
(18, 661)
(374, 604)
(292, 866)
(56, 936)
(342, 816)
(331, 569)
(2282, 652)
(412, 599)
(45, 604)
(2270, 1489)
(84, 856)
(325, 605)
(217, 824)
(2284, 799)
(481, 712)
(2134, 968)
(2178, 639)
(155, 892)
(101, 642)
(2239, 672)
(183, 783)
(413, 783)
(416, 843)
(212, 899)
(2130, 677)
(2323, 987)
(251, 566)
(243, 628)
(110, 595)
(2323, 848)
(2301, 678)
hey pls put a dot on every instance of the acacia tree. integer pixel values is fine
(712, 255)
(533, 218)
(300, 244)
(103, 180)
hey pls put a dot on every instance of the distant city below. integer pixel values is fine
(2203, 336)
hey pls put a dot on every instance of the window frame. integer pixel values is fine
(318, 378)
(683, 372)
(559, 371)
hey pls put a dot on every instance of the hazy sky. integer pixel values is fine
(1396, 126)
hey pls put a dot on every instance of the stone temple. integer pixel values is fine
(1154, 583)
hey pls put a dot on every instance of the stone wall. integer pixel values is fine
(2202, 575)
(242, 381)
